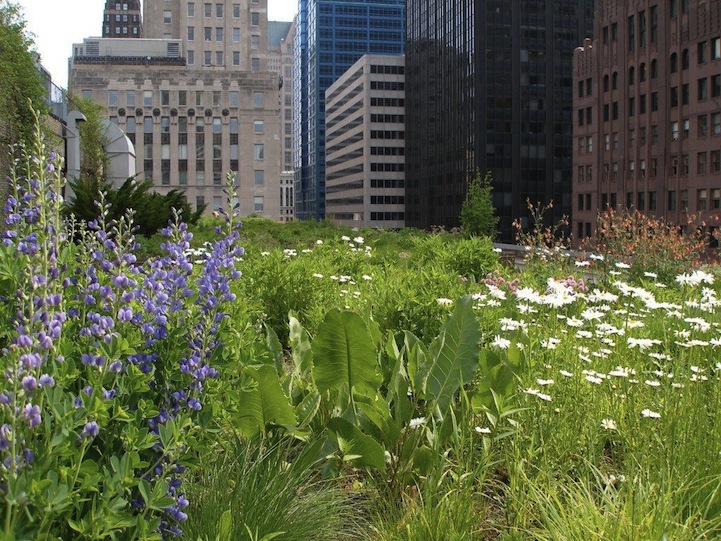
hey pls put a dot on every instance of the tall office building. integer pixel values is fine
(648, 112)
(330, 36)
(489, 88)
(122, 19)
(196, 97)
(280, 60)
(365, 135)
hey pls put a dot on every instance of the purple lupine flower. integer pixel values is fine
(90, 431)
(32, 415)
(47, 381)
(29, 383)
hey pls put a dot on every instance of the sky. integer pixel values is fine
(57, 24)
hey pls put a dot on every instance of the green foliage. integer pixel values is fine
(253, 490)
(22, 89)
(94, 161)
(478, 216)
(151, 211)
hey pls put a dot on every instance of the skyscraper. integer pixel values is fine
(489, 88)
(331, 35)
(648, 115)
(122, 19)
(196, 98)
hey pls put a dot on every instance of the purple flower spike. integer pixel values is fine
(90, 431)
(32, 414)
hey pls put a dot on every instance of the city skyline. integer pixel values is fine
(55, 28)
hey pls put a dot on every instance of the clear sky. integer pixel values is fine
(57, 24)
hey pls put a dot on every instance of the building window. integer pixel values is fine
(191, 33)
(254, 18)
(715, 161)
(148, 98)
(702, 89)
(234, 98)
(258, 99)
(236, 34)
(258, 126)
(685, 60)
(191, 9)
(165, 97)
(208, 10)
(642, 168)
(715, 48)
(701, 163)
(219, 33)
(255, 64)
(207, 33)
(674, 63)
(715, 86)
(652, 200)
(167, 17)
(218, 10)
(631, 75)
(702, 52)
(207, 58)
(685, 127)
(716, 123)
(672, 200)
(112, 98)
(236, 11)
(217, 202)
(236, 58)
(255, 42)
(191, 57)
(259, 177)
(219, 58)
(702, 121)
(674, 130)
(258, 203)
(716, 199)
(259, 151)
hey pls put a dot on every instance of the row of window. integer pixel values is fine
(220, 35)
(258, 202)
(121, 30)
(219, 59)
(180, 97)
(706, 199)
(387, 216)
(208, 10)
(387, 200)
(200, 148)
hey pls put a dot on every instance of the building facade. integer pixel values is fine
(489, 88)
(648, 112)
(196, 98)
(365, 143)
(281, 36)
(330, 37)
(122, 19)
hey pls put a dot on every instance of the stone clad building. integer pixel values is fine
(365, 144)
(647, 119)
(196, 98)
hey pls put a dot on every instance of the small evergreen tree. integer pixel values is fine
(478, 216)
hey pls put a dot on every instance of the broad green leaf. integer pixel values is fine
(453, 355)
(300, 346)
(226, 525)
(416, 354)
(356, 446)
(308, 407)
(274, 346)
(344, 355)
(266, 404)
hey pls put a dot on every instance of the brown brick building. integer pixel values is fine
(647, 111)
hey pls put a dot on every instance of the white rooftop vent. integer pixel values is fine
(173, 50)
(92, 48)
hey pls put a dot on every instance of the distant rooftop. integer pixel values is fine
(277, 30)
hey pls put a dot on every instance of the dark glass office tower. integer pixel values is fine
(489, 88)
(331, 36)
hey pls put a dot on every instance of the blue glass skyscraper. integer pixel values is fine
(331, 35)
